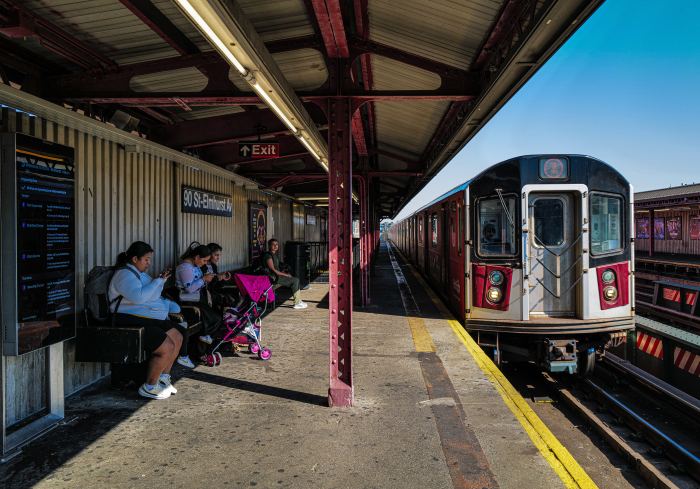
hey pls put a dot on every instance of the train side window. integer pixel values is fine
(606, 224)
(460, 216)
(434, 229)
(549, 222)
(496, 234)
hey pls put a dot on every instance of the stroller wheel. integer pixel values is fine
(217, 359)
(264, 354)
(209, 360)
(253, 348)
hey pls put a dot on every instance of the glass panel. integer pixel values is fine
(496, 235)
(549, 222)
(606, 224)
(434, 229)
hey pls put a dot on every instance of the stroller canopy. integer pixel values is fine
(255, 286)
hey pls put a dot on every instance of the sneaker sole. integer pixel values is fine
(158, 397)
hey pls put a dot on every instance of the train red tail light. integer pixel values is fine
(613, 285)
(492, 286)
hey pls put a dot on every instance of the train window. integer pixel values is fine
(460, 216)
(606, 224)
(549, 222)
(434, 229)
(496, 233)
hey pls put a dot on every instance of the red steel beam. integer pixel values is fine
(154, 99)
(330, 21)
(340, 388)
(161, 25)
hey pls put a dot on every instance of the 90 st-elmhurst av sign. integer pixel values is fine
(197, 201)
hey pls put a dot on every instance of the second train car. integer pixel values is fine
(535, 255)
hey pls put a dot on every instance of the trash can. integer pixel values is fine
(297, 256)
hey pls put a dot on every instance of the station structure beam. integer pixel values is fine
(340, 301)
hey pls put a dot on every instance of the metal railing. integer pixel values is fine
(318, 259)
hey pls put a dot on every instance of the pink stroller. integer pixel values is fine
(244, 321)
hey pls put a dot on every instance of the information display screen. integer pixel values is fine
(45, 190)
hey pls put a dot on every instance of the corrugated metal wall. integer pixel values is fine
(684, 246)
(123, 197)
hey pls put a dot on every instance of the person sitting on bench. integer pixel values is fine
(218, 289)
(192, 283)
(274, 268)
(135, 296)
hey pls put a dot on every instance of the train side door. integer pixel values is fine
(554, 253)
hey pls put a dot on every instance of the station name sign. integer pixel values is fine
(197, 201)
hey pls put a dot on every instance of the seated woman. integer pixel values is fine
(217, 288)
(192, 283)
(135, 296)
(271, 263)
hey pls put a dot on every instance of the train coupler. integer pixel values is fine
(560, 356)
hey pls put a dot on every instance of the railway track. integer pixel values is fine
(653, 425)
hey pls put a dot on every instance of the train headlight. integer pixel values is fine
(496, 277)
(610, 293)
(608, 276)
(494, 295)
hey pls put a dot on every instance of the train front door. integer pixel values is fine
(554, 253)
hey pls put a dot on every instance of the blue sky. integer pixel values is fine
(625, 88)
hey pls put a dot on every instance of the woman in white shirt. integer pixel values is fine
(136, 298)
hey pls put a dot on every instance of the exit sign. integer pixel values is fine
(258, 151)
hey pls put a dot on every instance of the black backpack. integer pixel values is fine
(97, 301)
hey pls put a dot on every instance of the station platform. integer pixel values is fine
(427, 413)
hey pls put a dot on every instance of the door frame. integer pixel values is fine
(525, 234)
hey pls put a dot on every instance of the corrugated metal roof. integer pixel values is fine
(449, 31)
(407, 127)
(204, 112)
(665, 193)
(105, 25)
(182, 80)
(304, 69)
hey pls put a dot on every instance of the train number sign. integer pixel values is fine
(258, 151)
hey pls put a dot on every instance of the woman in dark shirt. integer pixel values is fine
(271, 262)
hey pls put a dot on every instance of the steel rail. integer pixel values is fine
(683, 401)
(672, 449)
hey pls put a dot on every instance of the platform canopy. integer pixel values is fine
(423, 77)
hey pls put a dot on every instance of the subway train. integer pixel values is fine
(535, 256)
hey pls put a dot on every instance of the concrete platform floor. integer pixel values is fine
(420, 420)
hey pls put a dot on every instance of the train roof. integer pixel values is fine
(463, 186)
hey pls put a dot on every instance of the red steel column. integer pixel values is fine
(340, 390)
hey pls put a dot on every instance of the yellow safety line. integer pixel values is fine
(421, 338)
(562, 462)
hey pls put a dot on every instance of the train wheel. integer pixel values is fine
(586, 362)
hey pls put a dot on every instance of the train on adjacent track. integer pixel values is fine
(535, 256)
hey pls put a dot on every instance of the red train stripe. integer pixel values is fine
(640, 338)
(659, 350)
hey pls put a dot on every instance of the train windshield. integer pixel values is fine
(606, 227)
(496, 234)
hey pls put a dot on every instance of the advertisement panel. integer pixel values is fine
(257, 229)
(659, 228)
(643, 228)
(673, 228)
(695, 227)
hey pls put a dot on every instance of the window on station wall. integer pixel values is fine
(496, 234)
(549, 222)
(434, 229)
(674, 227)
(606, 224)
(694, 226)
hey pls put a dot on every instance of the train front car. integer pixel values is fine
(550, 262)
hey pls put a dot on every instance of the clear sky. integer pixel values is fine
(625, 88)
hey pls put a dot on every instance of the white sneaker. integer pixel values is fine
(301, 305)
(166, 382)
(158, 392)
(206, 339)
(185, 361)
